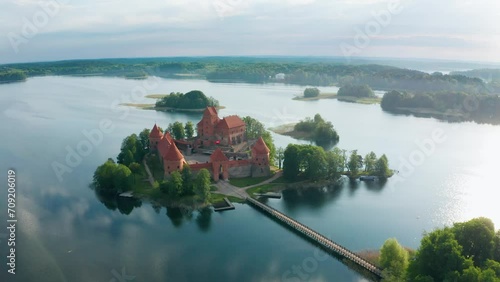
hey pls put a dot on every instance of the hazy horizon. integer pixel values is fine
(52, 30)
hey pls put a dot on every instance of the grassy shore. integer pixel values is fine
(165, 109)
(289, 130)
(321, 96)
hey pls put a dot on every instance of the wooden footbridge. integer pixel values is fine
(315, 236)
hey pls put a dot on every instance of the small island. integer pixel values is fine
(192, 101)
(313, 129)
(355, 94)
(11, 75)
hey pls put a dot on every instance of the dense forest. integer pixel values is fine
(454, 106)
(314, 72)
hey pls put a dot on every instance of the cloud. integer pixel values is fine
(91, 28)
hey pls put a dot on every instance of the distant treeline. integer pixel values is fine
(456, 106)
(264, 70)
(491, 76)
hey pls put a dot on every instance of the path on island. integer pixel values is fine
(150, 177)
(226, 188)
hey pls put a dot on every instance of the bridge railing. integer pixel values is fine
(322, 240)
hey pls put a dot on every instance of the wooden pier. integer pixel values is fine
(315, 236)
(228, 206)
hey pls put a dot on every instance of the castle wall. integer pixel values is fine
(240, 171)
(259, 171)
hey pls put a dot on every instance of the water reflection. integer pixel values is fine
(314, 198)
(317, 197)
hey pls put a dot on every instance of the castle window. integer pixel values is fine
(168, 167)
(177, 166)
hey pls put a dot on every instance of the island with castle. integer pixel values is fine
(193, 171)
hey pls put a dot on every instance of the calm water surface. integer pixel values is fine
(66, 234)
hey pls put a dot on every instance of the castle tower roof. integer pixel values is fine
(210, 111)
(155, 132)
(260, 147)
(231, 122)
(168, 137)
(173, 154)
(218, 156)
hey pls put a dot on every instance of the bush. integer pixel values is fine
(311, 92)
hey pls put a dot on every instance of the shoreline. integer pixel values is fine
(165, 109)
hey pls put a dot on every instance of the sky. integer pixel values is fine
(46, 30)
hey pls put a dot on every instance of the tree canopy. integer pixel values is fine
(255, 129)
(111, 178)
(192, 100)
(356, 91)
(319, 130)
(464, 252)
(394, 259)
(311, 92)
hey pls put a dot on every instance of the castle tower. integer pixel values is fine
(219, 165)
(206, 127)
(260, 159)
(154, 138)
(173, 160)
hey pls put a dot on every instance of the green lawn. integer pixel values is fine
(216, 198)
(262, 189)
(247, 181)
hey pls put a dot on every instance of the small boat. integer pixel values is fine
(367, 178)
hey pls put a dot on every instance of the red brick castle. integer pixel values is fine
(219, 138)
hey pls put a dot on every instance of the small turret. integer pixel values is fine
(154, 137)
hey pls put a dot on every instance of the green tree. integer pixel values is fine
(174, 185)
(356, 91)
(268, 139)
(496, 250)
(280, 154)
(187, 180)
(189, 129)
(382, 167)
(324, 133)
(178, 130)
(121, 178)
(144, 139)
(202, 184)
(104, 178)
(370, 162)
(394, 260)
(313, 162)
(355, 164)
(291, 162)
(439, 257)
(311, 92)
(135, 168)
(335, 163)
(471, 274)
(477, 239)
(254, 128)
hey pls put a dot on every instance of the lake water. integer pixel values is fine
(65, 233)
